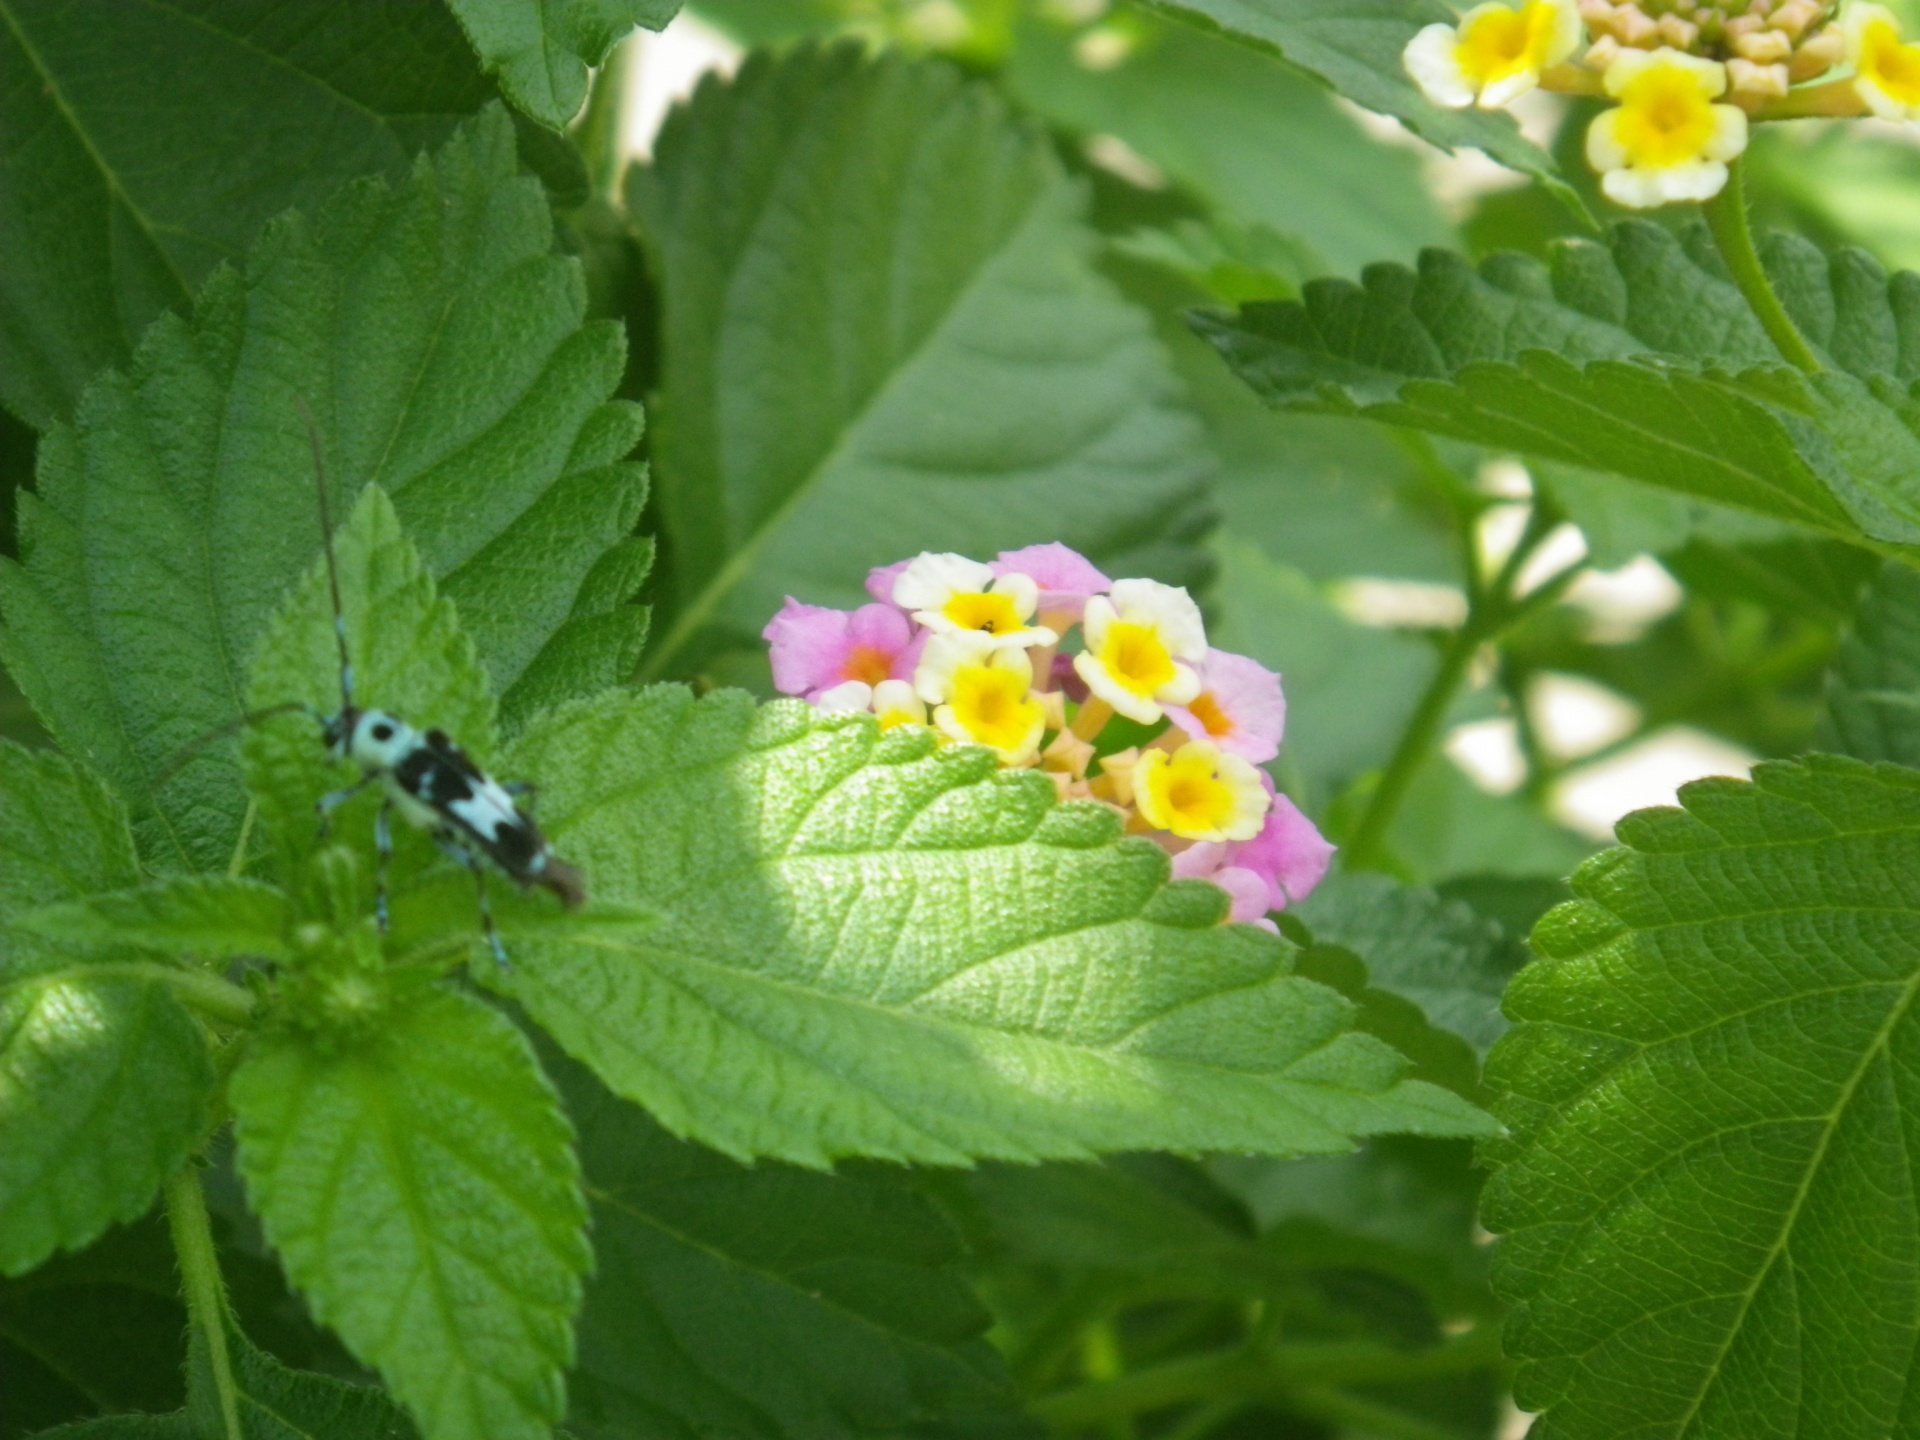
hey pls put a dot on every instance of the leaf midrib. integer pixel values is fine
(695, 616)
(108, 175)
(1111, 1050)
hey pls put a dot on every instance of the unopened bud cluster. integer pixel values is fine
(1768, 46)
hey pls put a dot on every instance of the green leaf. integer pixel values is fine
(1123, 1216)
(104, 1088)
(1709, 1191)
(136, 156)
(104, 1078)
(62, 832)
(541, 49)
(1437, 953)
(1223, 261)
(1873, 689)
(867, 947)
(765, 1302)
(1639, 358)
(94, 1331)
(936, 367)
(441, 346)
(204, 916)
(1355, 46)
(1436, 1055)
(1211, 114)
(422, 1192)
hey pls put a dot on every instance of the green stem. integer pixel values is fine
(1727, 219)
(1491, 612)
(209, 994)
(200, 1284)
(1278, 1373)
(1417, 741)
(597, 133)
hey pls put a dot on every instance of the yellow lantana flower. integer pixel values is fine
(1666, 140)
(984, 695)
(1200, 792)
(1886, 69)
(1496, 53)
(1143, 641)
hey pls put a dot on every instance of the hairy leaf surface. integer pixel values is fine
(1638, 357)
(441, 347)
(765, 1302)
(541, 49)
(104, 1077)
(421, 1188)
(936, 366)
(1709, 1194)
(137, 155)
(868, 947)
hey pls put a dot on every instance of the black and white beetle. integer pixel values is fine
(429, 779)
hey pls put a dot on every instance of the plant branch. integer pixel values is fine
(1727, 219)
(1278, 1373)
(200, 1285)
(1492, 610)
(209, 994)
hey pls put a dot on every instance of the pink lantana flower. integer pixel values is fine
(880, 580)
(1289, 853)
(1067, 579)
(816, 649)
(1246, 889)
(1239, 707)
(1288, 858)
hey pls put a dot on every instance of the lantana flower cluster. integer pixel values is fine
(1033, 655)
(1688, 76)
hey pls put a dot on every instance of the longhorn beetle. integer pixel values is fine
(428, 778)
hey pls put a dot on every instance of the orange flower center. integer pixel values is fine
(1207, 711)
(867, 663)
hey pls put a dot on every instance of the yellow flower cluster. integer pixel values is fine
(1689, 76)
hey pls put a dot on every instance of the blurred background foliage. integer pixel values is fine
(1159, 1296)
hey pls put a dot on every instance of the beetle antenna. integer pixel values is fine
(326, 543)
(195, 747)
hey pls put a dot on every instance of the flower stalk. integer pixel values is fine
(1727, 219)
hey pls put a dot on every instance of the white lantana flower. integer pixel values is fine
(1666, 140)
(1145, 641)
(1496, 54)
(1886, 69)
(892, 701)
(950, 593)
